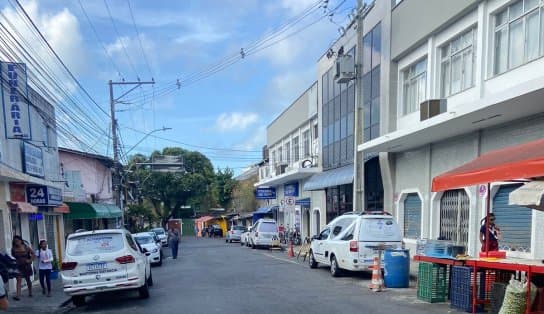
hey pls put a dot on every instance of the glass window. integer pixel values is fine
(376, 45)
(144, 239)
(288, 152)
(532, 35)
(336, 158)
(296, 149)
(516, 43)
(95, 244)
(414, 86)
(501, 53)
(344, 103)
(367, 52)
(268, 227)
(280, 154)
(343, 126)
(367, 88)
(350, 124)
(306, 138)
(316, 131)
(326, 156)
(379, 229)
(336, 130)
(325, 85)
(375, 111)
(351, 98)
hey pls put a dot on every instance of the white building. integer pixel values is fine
(466, 77)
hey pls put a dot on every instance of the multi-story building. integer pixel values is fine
(88, 191)
(464, 80)
(291, 158)
(30, 181)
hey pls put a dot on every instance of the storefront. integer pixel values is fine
(91, 216)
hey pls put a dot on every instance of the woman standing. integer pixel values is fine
(493, 233)
(23, 255)
(45, 258)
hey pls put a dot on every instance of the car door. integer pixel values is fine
(142, 262)
(317, 245)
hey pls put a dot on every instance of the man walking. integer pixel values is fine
(173, 241)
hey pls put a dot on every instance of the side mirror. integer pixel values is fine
(144, 250)
(315, 237)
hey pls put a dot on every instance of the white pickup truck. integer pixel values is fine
(349, 241)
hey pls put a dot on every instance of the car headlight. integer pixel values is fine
(155, 251)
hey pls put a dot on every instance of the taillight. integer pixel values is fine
(232, 232)
(127, 259)
(256, 234)
(68, 265)
(353, 246)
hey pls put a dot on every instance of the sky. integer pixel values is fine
(222, 112)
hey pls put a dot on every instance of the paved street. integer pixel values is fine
(214, 277)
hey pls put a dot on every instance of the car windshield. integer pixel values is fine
(379, 229)
(144, 239)
(95, 244)
(239, 228)
(268, 227)
(158, 231)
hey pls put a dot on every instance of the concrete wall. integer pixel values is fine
(414, 20)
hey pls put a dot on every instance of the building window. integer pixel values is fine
(280, 155)
(273, 157)
(288, 152)
(296, 149)
(306, 139)
(371, 84)
(414, 86)
(518, 33)
(457, 64)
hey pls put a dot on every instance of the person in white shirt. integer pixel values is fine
(45, 265)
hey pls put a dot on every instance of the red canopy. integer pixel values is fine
(514, 162)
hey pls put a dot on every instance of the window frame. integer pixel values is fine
(409, 79)
(449, 57)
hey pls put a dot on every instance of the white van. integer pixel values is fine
(264, 233)
(349, 241)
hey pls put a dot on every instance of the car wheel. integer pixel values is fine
(241, 243)
(150, 280)
(226, 241)
(335, 270)
(311, 260)
(143, 291)
(78, 300)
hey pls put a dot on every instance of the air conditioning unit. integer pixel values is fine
(345, 69)
(432, 107)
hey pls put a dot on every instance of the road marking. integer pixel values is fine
(281, 259)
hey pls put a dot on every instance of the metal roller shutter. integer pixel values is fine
(514, 221)
(412, 216)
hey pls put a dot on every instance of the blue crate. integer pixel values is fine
(461, 289)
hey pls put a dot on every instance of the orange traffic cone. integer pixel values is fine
(291, 253)
(377, 282)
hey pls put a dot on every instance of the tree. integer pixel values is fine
(138, 216)
(243, 196)
(225, 184)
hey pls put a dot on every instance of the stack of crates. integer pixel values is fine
(462, 279)
(432, 282)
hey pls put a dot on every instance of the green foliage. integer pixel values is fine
(225, 185)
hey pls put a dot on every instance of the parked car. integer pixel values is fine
(161, 233)
(264, 233)
(235, 233)
(244, 237)
(151, 242)
(349, 241)
(102, 261)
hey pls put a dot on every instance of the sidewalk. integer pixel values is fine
(40, 303)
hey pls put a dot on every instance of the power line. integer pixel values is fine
(120, 39)
(58, 58)
(139, 39)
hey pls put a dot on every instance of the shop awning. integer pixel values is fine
(22, 207)
(303, 202)
(204, 218)
(338, 176)
(92, 211)
(531, 195)
(265, 210)
(62, 209)
(514, 162)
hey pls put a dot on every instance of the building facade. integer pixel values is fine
(291, 158)
(465, 80)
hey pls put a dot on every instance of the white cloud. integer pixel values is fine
(297, 6)
(201, 30)
(235, 121)
(256, 140)
(130, 46)
(285, 88)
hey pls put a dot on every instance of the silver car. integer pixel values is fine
(235, 233)
(264, 234)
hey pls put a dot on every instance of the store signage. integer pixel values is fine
(15, 105)
(33, 160)
(41, 195)
(37, 216)
(265, 193)
(482, 190)
(290, 189)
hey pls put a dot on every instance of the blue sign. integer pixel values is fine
(290, 189)
(265, 193)
(41, 195)
(33, 160)
(38, 216)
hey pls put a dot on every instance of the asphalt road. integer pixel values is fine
(211, 276)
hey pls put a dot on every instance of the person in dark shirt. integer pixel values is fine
(493, 233)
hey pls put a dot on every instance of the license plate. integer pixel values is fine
(96, 266)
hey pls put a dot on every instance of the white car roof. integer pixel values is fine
(101, 231)
(146, 234)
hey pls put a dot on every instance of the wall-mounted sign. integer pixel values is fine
(41, 195)
(14, 100)
(36, 216)
(290, 189)
(265, 193)
(17, 192)
(33, 160)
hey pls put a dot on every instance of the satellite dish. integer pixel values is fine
(307, 163)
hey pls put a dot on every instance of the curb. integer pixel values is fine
(65, 303)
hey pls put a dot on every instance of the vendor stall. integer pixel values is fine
(521, 163)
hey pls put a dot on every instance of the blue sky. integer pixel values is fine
(229, 109)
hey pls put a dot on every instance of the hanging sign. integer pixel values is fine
(33, 160)
(41, 195)
(14, 100)
(265, 193)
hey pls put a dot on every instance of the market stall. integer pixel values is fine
(520, 163)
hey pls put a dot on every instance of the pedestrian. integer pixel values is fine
(45, 265)
(173, 241)
(196, 231)
(24, 255)
(493, 233)
(3, 298)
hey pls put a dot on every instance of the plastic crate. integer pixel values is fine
(432, 283)
(461, 288)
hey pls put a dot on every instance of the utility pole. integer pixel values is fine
(116, 164)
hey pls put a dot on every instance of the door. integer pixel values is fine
(454, 216)
(318, 246)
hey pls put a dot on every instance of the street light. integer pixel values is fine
(146, 136)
